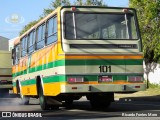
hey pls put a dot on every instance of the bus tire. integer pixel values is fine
(99, 104)
(68, 103)
(42, 99)
(24, 98)
(101, 101)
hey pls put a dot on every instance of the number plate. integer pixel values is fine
(105, 78)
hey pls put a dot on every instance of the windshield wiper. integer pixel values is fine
(127, 25)
(74, 25)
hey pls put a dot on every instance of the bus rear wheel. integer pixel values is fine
(101, 100)
(68, 103)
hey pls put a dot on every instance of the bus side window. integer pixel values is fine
(51, 30)
(16, 54)
(40, 37)
(13, 56)
(31, 42)
(24, 46)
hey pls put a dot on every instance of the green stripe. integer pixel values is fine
(51, 79)
(80, 63)
(28, 82)
(104, 62)
(63, 78)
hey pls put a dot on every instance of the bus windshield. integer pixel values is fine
(103, 26)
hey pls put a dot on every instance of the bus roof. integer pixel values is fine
(17, 41)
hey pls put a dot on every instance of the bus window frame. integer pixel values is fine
(35, 29)
(42, 39)
(26, 37)
(54, 33)
(33, 41)
(14, 57)
(85, 12)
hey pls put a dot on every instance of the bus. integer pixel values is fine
(5, 73)
(79, 51)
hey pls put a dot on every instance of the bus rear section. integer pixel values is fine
(5, 73)
(103, 73)
(102, 53)
(98, 77)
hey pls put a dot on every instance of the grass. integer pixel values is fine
(154, 86)
(154, 90)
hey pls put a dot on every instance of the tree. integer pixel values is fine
(90, 2)
(28, 26)
(54, 5)
(149, 21)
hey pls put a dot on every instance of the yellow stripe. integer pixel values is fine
(105, 57)
(29, 90)
(15, 90)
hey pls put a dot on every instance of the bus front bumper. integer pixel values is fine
(88, 88)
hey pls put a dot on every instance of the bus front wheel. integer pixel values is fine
(24, 98)
(46, 102)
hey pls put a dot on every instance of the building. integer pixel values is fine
(4, 43)
(11, 43)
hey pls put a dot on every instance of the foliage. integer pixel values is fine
(151, 85)
(90, 2)
(149, 20)
(28, 26)
(54, 5)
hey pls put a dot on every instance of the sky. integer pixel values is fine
(29, 10)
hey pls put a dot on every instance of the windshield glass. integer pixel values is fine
(100, 26)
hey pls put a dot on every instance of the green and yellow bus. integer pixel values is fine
(79, 51)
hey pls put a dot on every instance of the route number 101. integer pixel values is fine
(105, 68)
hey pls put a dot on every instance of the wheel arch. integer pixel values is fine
(18, 86)
(39, 81)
